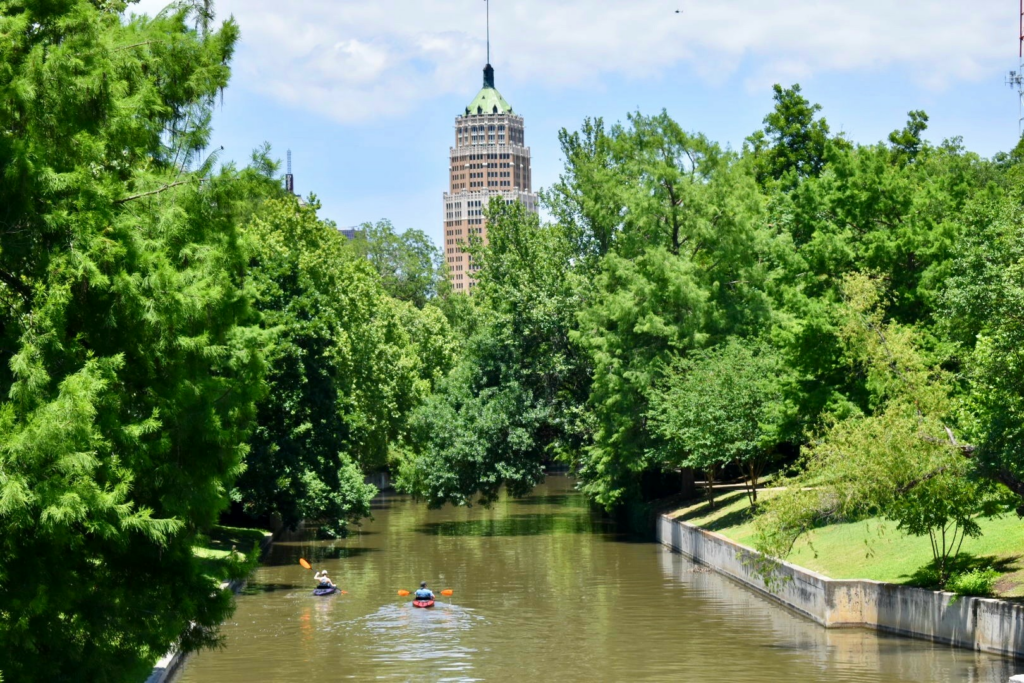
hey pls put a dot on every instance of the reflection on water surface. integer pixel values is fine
(543, 591)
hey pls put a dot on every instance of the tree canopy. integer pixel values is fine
(181, 337)
(174, 336)
(132, 356)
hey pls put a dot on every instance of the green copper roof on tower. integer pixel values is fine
(488, 100)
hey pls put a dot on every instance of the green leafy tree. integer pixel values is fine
(516, 399)
(901, 461)
(721, 406)
(131, 355)
(867, 212)
(410, 266)
(683, 273)
(980, 317)
(345, 373)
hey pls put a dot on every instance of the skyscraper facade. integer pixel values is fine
(490, 159)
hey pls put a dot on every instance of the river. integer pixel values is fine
(543, 591)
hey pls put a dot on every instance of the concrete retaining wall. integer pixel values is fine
(980, 624)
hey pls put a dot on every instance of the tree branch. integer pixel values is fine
(1012, 482)
(15, 284)
(920, 480)
(151, 192)
(1002, 475)
(133, 45)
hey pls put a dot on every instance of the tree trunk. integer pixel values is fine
(709, 482)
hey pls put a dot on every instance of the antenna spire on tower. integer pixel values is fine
(488, 69)
(1016, 78)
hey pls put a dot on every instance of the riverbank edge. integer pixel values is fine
(981, 624)
(170, 663)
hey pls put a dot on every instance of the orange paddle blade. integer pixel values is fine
(403, 593)
(305, 564)
(344, 592)
(447, 591)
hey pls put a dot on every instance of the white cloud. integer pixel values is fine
(358, 60)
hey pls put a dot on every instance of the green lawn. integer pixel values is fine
(874, 549)
(216, 555)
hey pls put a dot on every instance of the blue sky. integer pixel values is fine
(365, 92)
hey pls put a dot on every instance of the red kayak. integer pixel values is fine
(422, 603)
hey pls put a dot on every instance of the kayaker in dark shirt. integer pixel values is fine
(424, 593)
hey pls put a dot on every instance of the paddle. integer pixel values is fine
(445, 592)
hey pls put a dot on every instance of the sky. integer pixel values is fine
(365, 92)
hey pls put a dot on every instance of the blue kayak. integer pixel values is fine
(328, 590)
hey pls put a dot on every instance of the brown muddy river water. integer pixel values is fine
(544, 591)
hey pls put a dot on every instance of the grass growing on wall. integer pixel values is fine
(874, 549)
(230, 552)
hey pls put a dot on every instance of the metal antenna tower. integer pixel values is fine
(289, 179)
(488, 3)
(1016, 78)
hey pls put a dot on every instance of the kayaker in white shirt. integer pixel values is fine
(323, 579)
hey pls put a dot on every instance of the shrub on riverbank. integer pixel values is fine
(974, 582)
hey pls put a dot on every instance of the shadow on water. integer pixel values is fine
(517, 525)
(305, 536)
(385, 501)
(280, 557)
(254, 588)
(617, 535)
(342, 552)
(558, 500)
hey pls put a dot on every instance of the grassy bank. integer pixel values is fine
(874, 549)
(230, 552)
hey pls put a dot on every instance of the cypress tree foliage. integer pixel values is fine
(130, 357)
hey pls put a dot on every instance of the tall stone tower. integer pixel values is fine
(490, 159)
